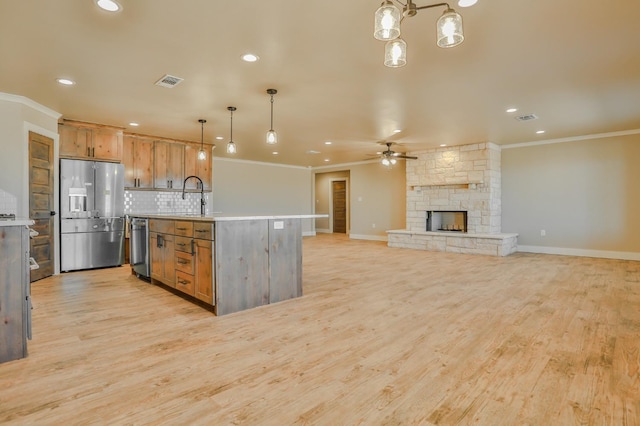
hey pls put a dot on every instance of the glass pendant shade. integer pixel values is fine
(395, 53)
(387, 22)
(231, 147)
(272, 137)
(449, 29)
(202, 154)
(386, 162)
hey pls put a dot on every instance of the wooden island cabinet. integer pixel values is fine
(230, 263)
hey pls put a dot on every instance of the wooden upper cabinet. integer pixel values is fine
(138, 162)
(168, 165)
(200, 168)
(89, 141)
(107, 144)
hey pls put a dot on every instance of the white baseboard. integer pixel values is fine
(323, 231)
(368, 237)
(309, 234)
(622, 255)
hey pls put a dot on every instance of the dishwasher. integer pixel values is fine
(138, 247)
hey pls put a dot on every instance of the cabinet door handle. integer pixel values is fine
(202, 230)
(160, 241)
(93, 152)
(183, 262)
(181, 245)
(183, 282)
(181, 229)
(193, 247)
(88, 152)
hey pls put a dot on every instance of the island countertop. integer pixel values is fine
(223, 217)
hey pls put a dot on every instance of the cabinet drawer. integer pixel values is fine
(185, 283)
(184, 262)
(184, 229)
(203, 230)
(162, 226)
(184, 244)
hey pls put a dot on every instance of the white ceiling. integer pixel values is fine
(574, 63)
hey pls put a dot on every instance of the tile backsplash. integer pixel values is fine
(8, 203)
(164, 202)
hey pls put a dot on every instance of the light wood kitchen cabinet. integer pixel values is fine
(89, 141)
(162, 251)
(138, 162)
(168, 165)
(200, 168)
(204, 279)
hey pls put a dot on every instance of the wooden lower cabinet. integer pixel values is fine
(162, 251)
(204, 287)
(181, 261)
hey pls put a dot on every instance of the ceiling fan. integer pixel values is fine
(389, 157)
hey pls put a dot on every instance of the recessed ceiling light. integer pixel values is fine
(326, 160)
(397, 131)
(134, 124)
(466, 3)
(250, 57)
(219, 138)
(328, 143)
(312, 152)
(66, 81)
(512, 109)
(109, 5)
(540, 132)
(275, 152)
(443, 144)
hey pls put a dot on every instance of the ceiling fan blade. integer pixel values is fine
(406, 157)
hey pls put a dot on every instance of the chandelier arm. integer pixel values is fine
(433, 5)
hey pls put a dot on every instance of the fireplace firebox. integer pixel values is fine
(447, 221)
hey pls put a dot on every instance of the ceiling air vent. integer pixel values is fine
(527, 117)
(169, 81)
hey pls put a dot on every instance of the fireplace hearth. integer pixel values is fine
(446, 221)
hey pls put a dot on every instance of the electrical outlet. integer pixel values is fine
(543, 233)
(373, 225)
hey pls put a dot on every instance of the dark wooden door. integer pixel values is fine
(41, 203)
(339, 196)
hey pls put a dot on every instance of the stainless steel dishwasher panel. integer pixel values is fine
(138, 247)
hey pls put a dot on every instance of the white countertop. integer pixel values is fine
(19, 221)
(224, 217)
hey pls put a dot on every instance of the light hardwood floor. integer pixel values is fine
(381, 336)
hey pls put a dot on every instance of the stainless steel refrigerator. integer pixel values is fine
(92, 223)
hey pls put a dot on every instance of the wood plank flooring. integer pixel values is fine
(381, 336)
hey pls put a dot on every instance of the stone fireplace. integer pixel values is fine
(457, 179)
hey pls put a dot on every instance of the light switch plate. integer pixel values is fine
(278, 224)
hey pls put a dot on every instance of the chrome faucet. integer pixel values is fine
(202, 202)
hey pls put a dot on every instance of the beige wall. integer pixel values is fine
(18, 116)
(376, 197)
(246, 187)
(585, 194)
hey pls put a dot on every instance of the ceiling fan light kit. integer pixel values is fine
(389, 157)
(449, 31)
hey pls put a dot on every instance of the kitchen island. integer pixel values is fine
(230, 263)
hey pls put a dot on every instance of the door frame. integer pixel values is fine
(348, 203)
(30, 127)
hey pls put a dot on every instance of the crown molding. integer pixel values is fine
(573, 139)
(30, 103)
(260, 163)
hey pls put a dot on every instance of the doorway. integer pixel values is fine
(41, 204)
(339, 206)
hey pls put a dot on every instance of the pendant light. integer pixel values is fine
(272, 136)
(202, 154)
(449, 32)
(231, 146)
